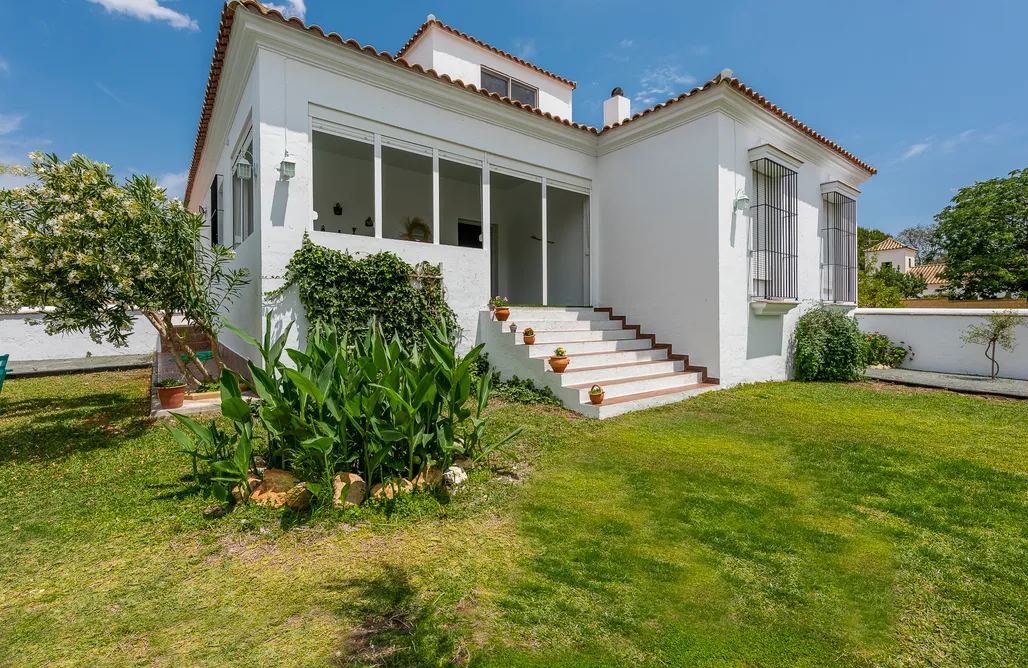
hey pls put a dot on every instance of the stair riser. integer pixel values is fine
(647, 385)
(591, 335)
(571, 377)
(556, 314)
(561, 325)
(604, 412)
(619, 357)
(545, 350)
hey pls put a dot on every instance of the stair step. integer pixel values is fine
(616, 357)
(638, 384)
(541, 325)
(546, 313)
(609, 372)
(634, 402)
(583, 347)
(568, 335)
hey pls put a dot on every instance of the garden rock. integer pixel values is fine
(281, 488)
(391, 489)
(354, 493)
(254, 481)
(429, 477)
(454, 476)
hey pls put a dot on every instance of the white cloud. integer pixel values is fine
(5, 67)
(525, 48)
(627, 43)
(174, 183)
(916, 150)
(948, 145)
(148, 10)
(10, 122)
(107, 91)
(297, 8)
(662, 82)
(699, 50)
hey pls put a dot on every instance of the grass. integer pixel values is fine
(780, 524)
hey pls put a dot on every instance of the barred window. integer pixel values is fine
(838, 248)
(774, 246)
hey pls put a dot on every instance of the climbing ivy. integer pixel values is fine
(338, 289)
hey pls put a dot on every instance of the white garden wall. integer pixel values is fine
(24, 341)
(934, 335)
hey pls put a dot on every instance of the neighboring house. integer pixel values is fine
(903, 258)
(710, 221)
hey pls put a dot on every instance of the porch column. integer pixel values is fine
(435, 196)
(545, 250)
(378, 186)
(487, 228)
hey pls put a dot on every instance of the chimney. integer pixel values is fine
(616, 109)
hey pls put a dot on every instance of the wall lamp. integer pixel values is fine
(243, 169)
(287, 168)
(742, 201)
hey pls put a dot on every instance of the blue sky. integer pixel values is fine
(933, 94)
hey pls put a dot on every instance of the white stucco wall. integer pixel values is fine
(658, 232)
(901, 259)
(935, 334)
(459, 59)
(756, 347)
(24, 341)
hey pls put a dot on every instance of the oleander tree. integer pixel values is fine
(96, 253)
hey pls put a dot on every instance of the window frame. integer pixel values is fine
(510, 82)
(774, 229)
(838, 233)
(243, 222)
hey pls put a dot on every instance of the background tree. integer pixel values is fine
(997, 330)
(925, 238)
(866, 238)
(95, 253)
(984, 234)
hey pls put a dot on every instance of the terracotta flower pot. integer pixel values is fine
(502, 313)
(596, 398)
(171, 397)
(558, 364)
(529, 340)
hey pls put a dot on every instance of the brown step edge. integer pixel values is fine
(608, 366)
(654, 393)
(671, 355)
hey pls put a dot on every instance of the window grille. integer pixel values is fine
(774, 247)
(839, 248)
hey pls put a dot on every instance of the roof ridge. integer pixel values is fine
(474, 40)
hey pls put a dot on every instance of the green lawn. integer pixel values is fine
(780, 524)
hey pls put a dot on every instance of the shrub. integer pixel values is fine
(828, 346)
(882, 352)
(524, 392)
(366, 405)
(997, 330)
(340, 291)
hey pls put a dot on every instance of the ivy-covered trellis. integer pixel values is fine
(337, 288)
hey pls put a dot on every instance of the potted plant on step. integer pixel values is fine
(171, 392)
(499, 306)
(596, 394)
(559, 361)
(529, 336)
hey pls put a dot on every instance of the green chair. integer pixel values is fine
(202, 356)
(3, 371)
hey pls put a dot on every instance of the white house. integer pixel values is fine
(704, 225)
(903, 258)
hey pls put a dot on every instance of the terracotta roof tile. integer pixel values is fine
(763, 102)
(889, 244)
(225, 31)
(930, 272)
(221, 47)
(463, 35)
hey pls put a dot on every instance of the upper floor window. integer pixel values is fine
(503, 85)
(838, 245)
(243, 201)
(214, 212)
(774, 246)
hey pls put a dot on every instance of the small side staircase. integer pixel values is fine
(634, 370)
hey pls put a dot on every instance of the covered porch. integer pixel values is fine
(533, 230)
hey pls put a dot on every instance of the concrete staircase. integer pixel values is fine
(634, 370)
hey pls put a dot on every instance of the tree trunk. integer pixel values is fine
(990, 352)
(204, 376)
(172, 338)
